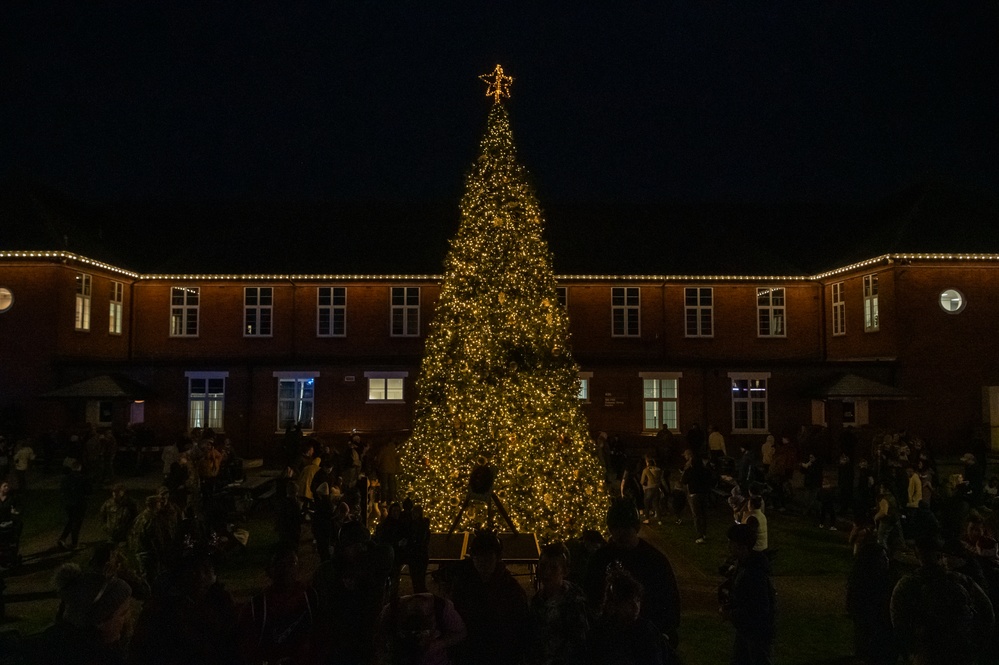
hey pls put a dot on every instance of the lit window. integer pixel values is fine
(698, 303)
(386, 386)
(206, 399)
(952, 301)
(116, 308)
(584, 386)
(331, 314)
(296, 399)
(83, 287)
(770, 312)
(659, 396)
(184, 311)
(838, 309)
(258, 309)
(625, 305)
(871, 321)
(405, 311)
(749, 402)
(562, 293)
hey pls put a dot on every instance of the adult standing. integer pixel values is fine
(748, 599)
(75, 489)
(24, 455)
(652, 478)
(387, 467)
(716, 443)
(652, 569)
(696, 479)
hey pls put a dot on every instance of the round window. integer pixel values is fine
(952, 301)
(6, 299)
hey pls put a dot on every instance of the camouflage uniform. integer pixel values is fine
(117, 516)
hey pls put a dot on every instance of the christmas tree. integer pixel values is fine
(498, 391)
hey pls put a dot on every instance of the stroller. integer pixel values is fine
(10, 544)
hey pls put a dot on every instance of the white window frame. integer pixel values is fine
(258, 316)
(872, 319)
(659, 400)
(584, 387)
(331, 301)
(84, 289)
(208, 408)
(116, 308)
(184, 312)
(626, 301)
(300, 381)
(838, 309)
(770, 315)
(386, 387)
(406, 313)
(699, 319)
(753, 384)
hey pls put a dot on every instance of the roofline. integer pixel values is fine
(877, 260)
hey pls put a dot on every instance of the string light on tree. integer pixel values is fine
(498, 381)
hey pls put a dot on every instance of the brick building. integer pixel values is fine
(897, 341)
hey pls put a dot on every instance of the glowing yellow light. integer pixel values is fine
(497, 84)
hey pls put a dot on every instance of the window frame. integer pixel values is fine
(838, 309)
(384, 377)
(585, 384)
(405, 312)
(185, 311)
(872, 315)
(336, 328)
(699, 311)
(116, 308)
(263, 314)
(84, 296)
(769, 312)
(660, 401)
(562, 296)
(625, 309)
(297, 379)
(749, 401)
(210, 417)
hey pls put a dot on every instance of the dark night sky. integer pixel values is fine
(618, 103)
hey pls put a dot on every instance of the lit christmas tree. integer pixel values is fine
(498, 391)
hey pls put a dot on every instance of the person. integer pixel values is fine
(696, 479)
(621, 635)
(648, 565)
(89, 631)
(954, 627)
(652, 477)
(492, 604)
(304, 483)
(279, 624)
(868, 599)
(75, 490)
(888, 521)
(23, 456)
(756, 518)
(695, 439)
(419, 629)
(845, 483)
(417, 552)
(146, 541)
(827, 505)
(914, 492)
(767, 455)
(387, 468)
(559, 614)
(117, 514)
(9, 503)
(393, 531)
(716, 443)
(974, 478)
(288, 516)
(747, 599)
(811, 469)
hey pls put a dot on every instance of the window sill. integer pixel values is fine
(385, 401)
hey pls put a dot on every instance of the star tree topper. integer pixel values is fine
(497, 84)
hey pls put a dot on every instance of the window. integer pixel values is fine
(659, 395)
(562, 293)
(386, 386)
(405, 311)
(584, 386)
(331, 314)
(770, 312)
(296, 399)
(624, 311)
(871, 322)
(206, 399)
(116, 308)
(184, 311)
(838, 309)
(698, 309)
(258, 303)
(83, 286)
(749, 402)
(952, 301)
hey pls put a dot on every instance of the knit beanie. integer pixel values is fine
(89, 598)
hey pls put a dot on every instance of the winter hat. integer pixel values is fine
(89, 598)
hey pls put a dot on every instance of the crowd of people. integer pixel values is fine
(594, 600)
